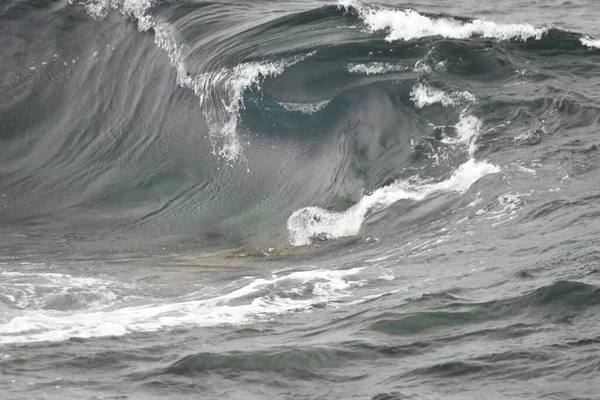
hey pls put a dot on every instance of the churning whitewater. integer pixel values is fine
(300, 200)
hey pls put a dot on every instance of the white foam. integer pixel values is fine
(423, 95)
(468, 129)
(136, 9)
(305, 108)
(261, 298)
(409, 24)
(375, 68)
(28, 290)
(308, 223)
(589, 42)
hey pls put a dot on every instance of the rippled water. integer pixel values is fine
(299, 200)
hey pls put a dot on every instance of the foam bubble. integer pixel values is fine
(423, 95)
(409, 24)
(311, 223)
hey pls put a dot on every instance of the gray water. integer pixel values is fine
(308, 200)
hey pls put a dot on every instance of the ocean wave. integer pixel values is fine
(409, 24)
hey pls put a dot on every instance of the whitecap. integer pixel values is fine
(423, 95)
(409, 24)
(589, 42)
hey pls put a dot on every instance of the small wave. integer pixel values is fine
(409, 25)
(310, 223)
(555, 299)
(296, 360)
(375, 68)
(563, 293)
(423, 95)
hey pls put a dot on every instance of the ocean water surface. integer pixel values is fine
(299, 200)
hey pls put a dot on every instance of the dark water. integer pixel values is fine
(299, 200)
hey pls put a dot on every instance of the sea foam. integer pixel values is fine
(258, 299)
(222, 114)
(409, 24)
(375, 68)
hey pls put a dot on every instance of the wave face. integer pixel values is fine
(304, 200)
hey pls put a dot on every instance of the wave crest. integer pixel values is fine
(409, 24)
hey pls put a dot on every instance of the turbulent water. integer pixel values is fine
(299, 200)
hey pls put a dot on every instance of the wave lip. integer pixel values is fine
(223, 119)
(468, 130)
(409, 24)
